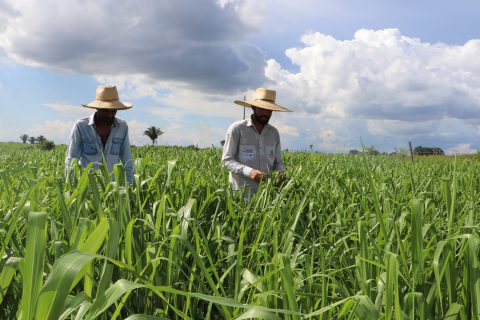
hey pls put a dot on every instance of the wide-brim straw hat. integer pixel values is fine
(106, 98)
(265, 99)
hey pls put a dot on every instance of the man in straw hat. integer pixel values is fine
(102, 134)
(252, 146)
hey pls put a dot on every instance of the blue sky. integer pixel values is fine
(384, 72)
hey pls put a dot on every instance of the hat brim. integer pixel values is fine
(108, 105)
(262, 104)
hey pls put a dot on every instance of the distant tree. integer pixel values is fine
(371, 151)
(354, 151)
(222, 142)
(41, 138)
(46, 145)
(192, 146)
(426, 151)
(32, 140)
(153, 133)
(438, 151)
(24, 138)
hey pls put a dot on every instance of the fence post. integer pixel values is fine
(411, 152)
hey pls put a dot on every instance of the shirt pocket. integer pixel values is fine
(89, 148)
(247, 153)
(116, 145)
(270, 155)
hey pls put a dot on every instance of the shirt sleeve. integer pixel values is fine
(230, 150)
(126, 157)
(278, 163)
(74, 148)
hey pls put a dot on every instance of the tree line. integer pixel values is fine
(42, 141)
(417, 151)
(152, 132)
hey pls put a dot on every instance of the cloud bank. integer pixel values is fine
(198, 43)
(383, 84)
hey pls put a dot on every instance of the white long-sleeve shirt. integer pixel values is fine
(245, 149)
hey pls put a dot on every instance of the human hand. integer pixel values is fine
(257, 175)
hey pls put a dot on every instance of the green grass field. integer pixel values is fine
(348, 237)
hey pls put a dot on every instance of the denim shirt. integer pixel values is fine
(85, 144)
(245, 149)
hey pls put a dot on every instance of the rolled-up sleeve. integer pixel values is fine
(126, 157)
(74, 148)
(278, 164)
(230, 150)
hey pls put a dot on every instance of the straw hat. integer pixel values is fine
(107, 98)
(264, 99)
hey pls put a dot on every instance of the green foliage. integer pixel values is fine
(24, 138)
(153, 133)
(46, 145)
(343, 238)
(371, 151)
(427, 151)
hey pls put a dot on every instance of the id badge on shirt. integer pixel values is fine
(247, 153)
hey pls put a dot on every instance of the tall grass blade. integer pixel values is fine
(34, 261)
(54, 293)
(111, 295)
(144, 317)
(417, 242)
(8, 271)
(473, 276)
(392, 307)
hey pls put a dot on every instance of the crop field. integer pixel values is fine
(347, 237)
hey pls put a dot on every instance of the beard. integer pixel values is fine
(263, 120)
(108, 120)
(102, 118)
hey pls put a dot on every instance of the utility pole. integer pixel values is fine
(244, 99)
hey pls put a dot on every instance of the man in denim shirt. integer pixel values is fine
(102, 133)
(252, 146)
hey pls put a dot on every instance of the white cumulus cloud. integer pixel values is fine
(462, 148)
(69, 109)
(382, 86)
(382, 74)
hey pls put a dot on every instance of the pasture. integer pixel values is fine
(347, 237)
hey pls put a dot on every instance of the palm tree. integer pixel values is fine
(24, 138)
(41, 138)
(32, 140)
(153, 133)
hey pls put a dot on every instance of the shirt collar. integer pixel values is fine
(91, 120)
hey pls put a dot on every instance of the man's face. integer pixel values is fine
(261, 116)
(106, 115)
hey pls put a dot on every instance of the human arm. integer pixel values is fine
(278, 162)
(74, 147)
(126, 157)
(278, 165)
